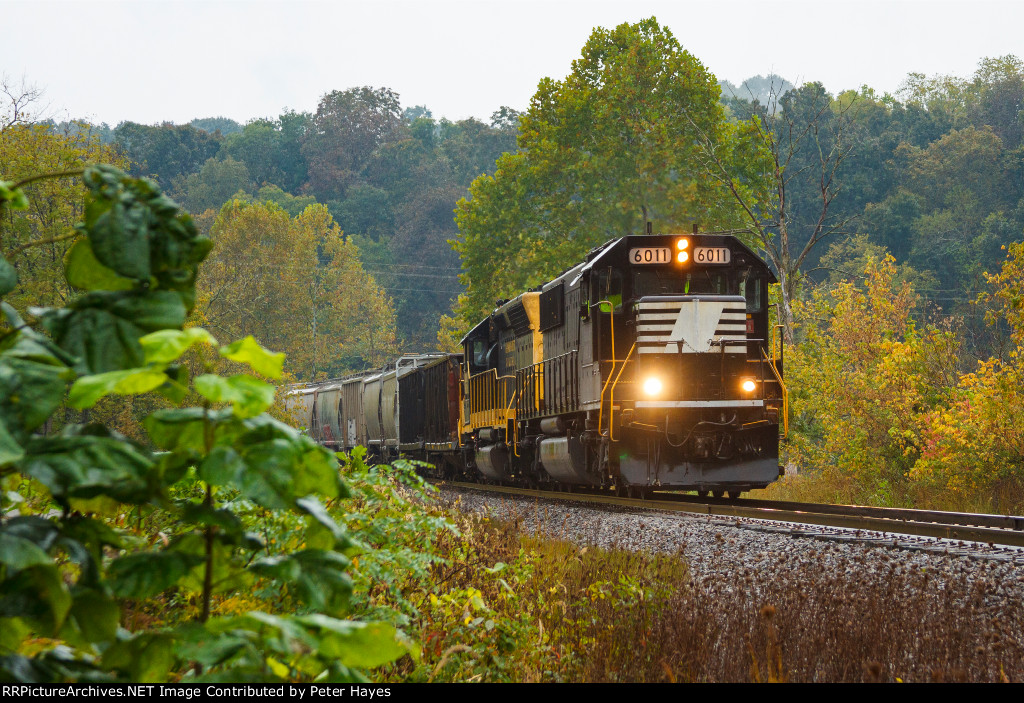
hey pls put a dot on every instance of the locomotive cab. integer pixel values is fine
(691, 396)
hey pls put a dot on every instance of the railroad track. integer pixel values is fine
(1003, 530)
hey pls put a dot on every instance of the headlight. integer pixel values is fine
(748, 385)
(652, 386)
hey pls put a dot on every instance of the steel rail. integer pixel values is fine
(996, 529)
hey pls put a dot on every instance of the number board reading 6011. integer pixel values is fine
(650, 255)
(712, 255)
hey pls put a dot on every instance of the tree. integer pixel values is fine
(296, 282)
(36, 239)
(346, 129)
(165, 152)
(975, 445)
(798, 150)
(601, 153)
(271, 150)
(73, 567)
(224, 125)
(863, 380)
(18, 101)
(215, 184)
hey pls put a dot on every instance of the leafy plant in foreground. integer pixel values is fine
(68, 573)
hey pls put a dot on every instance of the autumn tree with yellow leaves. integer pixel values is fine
(864, 379)
(975, 446)
(296, 283)
(36, 239)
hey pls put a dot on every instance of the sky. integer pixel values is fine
(151, 61)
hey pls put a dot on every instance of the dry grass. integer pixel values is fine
(596, 615)
(1003, 498)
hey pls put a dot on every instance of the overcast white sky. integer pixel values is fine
(156, 60)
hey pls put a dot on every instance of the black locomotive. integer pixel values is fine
(651, 364)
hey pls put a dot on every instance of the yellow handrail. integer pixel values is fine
(486, 400)
(515, 424)
(785, 393)
(611, 398)
(600, 404)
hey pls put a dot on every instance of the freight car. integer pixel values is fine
(651, 364)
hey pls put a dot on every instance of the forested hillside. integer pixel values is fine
(389, 177)
(935, 174)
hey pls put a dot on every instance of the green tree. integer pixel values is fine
(215, 184)
(863, 380)
(224, 125)
(601, 152)
(165, 151)
(71, 567)
(796, 149)
(271, 150)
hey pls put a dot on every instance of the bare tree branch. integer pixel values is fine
(18, 98)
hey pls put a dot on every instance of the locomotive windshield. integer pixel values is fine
(667, 282)
(671, 282)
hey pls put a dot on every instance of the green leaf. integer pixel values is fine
(88, 390)
(84, 271)
(199, 644)
(176, 388)
(222, 467)
(28, 344)
(38, 530)
(268, 480)
(248, 351)
(87, 465)
(319, 515)
(96, 615)
(118, 223)
(231, 530)
(30, 391)
(147, 574)
(17, 553)
(140, 233)
(165, 346)
(184, 429)
(10, 450)
(320, 472)
(102, 329)
(358, 644)
(318, 577)
(39, 594)
(15, 197)
(228, 575)
(12, 632)
(8, 277)
(284, 465)
(145, 658)
(248, 396)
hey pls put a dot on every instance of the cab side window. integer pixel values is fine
(609, 287)
(752, 288)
